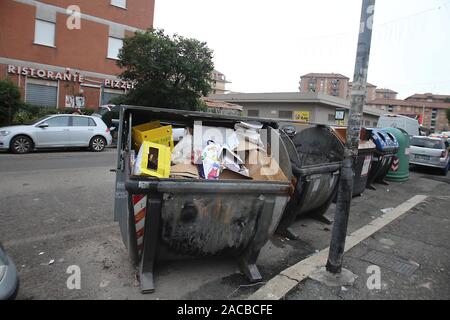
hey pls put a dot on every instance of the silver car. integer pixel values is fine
(430, 152)
(56, 131)
(9, 281)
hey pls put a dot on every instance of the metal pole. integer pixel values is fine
(334, 264)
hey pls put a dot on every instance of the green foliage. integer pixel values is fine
(9, 101)
(447, 112)
(201, 105)
(170, 71)
(27, 113)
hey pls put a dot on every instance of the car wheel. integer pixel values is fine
(97, 144)
(21, 145)
(445, 171)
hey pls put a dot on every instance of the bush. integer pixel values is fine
(27, 113)
(9, 101)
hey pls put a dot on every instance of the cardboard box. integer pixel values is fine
(152, 132)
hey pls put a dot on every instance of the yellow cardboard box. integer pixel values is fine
(152, 132)
(155, 160)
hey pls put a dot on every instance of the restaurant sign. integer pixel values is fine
(45, 74)
(66, 76)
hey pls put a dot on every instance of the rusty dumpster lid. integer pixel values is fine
(364, 142)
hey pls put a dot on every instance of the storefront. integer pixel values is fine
(69, 89)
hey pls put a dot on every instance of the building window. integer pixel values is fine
(331, 117)
(391, 108)
(253, 113)
(367, 123)
(375, 124)
(42, 93)
(44, 33)
(109, 95)
(119, 3)
(114, 46)
(335, 84)
(312, 85)
(434, 114)
(285, 114)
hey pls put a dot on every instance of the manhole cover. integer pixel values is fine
(395, 264)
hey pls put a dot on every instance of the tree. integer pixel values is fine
(9, 101)
(447, 112)
(169, 71)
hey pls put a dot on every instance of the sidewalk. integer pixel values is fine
(413, 254)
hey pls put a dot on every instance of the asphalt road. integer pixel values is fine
(56, 211)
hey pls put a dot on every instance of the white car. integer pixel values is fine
(430, 152)
(56, 131)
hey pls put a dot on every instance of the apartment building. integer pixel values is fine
(429, 109)
(371, 91)
(219, 83)
(333, 84)
(63, 53)
(385, 94)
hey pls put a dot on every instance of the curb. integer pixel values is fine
(279, 286)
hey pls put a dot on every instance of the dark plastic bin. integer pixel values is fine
(386, 148)
(316, 158)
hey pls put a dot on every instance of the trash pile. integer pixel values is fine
(203, 152)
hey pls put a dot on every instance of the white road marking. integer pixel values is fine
(288, 279)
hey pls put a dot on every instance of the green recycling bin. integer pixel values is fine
(399, 171)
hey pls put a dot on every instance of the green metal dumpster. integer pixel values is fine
(162, 219)
(316, 158)
(399, 171)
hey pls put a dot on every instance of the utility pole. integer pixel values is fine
(334, 264)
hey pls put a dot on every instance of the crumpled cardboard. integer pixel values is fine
(263, 167)
(187, 171)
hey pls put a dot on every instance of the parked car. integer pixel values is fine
(410, 125)
(430, 152)
(9, 281)
(289, 130)
(56, 131)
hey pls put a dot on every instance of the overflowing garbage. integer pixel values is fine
(201, 152)
(192, 184)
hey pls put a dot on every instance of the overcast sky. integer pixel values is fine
(265, 46)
